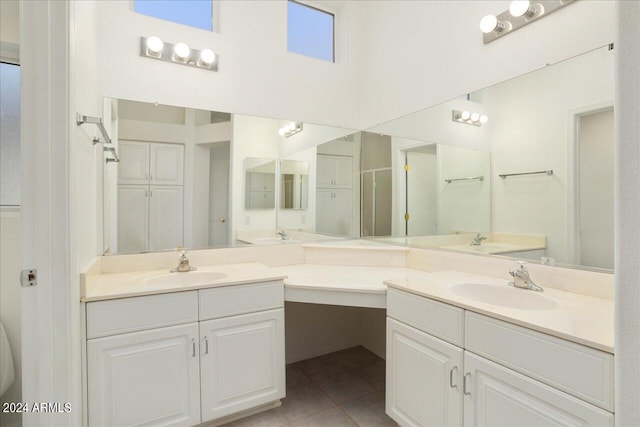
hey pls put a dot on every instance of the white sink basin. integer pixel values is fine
(504, 296)
(188, 278)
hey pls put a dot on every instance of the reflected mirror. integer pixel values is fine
(294, 184)
(523, 168)
(260, 184)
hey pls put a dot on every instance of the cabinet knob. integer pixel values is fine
(223, 219)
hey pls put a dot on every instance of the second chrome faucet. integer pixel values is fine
(183, 264)
(521, 278)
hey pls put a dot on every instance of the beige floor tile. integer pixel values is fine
(368, 411)
(344, 387)
(333, 417)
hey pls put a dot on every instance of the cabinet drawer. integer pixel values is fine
(239, 299)
(123, 315)
(573, 368)
(438, 319)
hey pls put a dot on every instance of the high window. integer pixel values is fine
(194, 13)
(310, 31)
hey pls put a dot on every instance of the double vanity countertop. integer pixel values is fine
(575, 317)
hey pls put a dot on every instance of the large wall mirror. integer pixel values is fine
(196, 179)
(523, 168)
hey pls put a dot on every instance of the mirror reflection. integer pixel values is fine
(260, 183)
(294, 184)
(535, 179)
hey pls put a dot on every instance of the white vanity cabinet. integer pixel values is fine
(184, 358)
(334, 172)
(150, 163)
(448, 366)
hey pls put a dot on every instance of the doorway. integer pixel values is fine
(219, 228)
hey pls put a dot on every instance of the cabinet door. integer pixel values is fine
(343, 175)
(342, 213)
(167, 164)
(424, 378)
(497, 396)
(133, 217)
(165, 218)
(133, 167)
(242, 362)
(325, 171)
(324, 198)
(145, 378)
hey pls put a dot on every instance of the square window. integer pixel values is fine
(194, 13)
(9, 134)
(310, 31)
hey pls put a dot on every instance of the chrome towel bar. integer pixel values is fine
(547, 172)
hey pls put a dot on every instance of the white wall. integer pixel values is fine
(257, 76)
(627, 215)
(10, 21)
(421, 53)
(532, 125)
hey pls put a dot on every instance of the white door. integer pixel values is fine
(133, 167)
(242, 362)
(422, 194)
(323, 210)
(343, 172)
(165, 217)
(595, 183)
(325, 171)
(219, 196)
(342, 213)
(499, 397)
(166, 164)
(133, 217)
(145, 378)
(424, 378)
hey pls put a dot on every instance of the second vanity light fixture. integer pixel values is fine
(469, 118)
(520, 13)
(290, 129)
(179, 53)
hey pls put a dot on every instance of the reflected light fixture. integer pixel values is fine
(179, 53)
(290, 129)
(469, 118)
(520, 13)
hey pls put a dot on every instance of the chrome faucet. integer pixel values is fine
(183, 264)
(477, 241)
(283, 234)
(521, 278)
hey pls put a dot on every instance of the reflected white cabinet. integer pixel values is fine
(145, 378)
(497, 396)
(334, 172)
(242, 362)
(334, 211)
(423, 382)
(165, 217)
(150, 163)
(133, 218)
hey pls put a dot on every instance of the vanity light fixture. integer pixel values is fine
(520, 13)
(290, 129)
(179, 53)
(469, 118)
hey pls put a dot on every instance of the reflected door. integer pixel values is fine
(422, 194)
(219, 196)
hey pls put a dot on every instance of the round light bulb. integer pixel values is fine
(291, 126)
(181, 50)
(154, 44)
(281, 132)
(519, 7)
(465, 115)
(475, 117)
(488, 24)
(484, 119)
(207, 56)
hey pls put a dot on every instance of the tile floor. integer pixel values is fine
(345, 388)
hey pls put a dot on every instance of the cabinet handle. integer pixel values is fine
(464, 383)
(451, 384)
(206, 345)
(146, 193)
(193, 347)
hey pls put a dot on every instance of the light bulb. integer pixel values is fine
(291, 127)
(475, 117)
(154, 44)
(465, 115)
(488, 24)
(281, 132)
(484, 119)
(521, 7)
(207, 56)
(181, 50)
